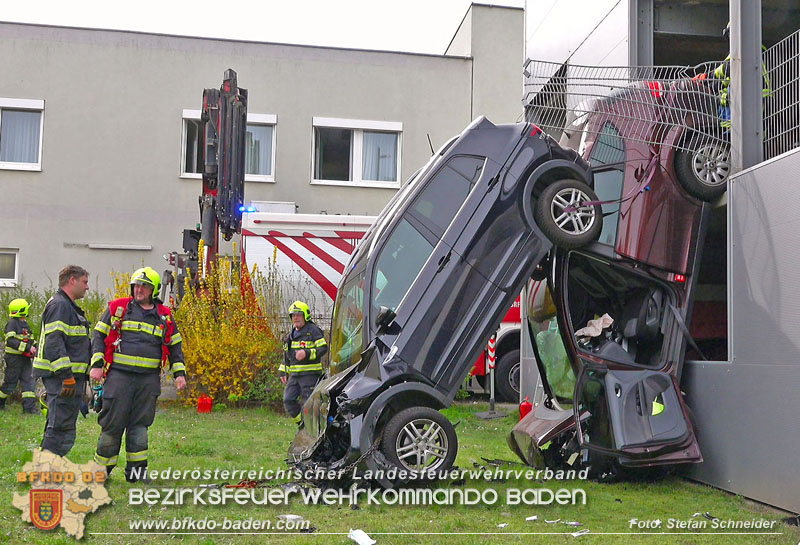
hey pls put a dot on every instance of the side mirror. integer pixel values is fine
(385, 317)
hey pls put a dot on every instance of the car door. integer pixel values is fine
(439, 299)
(645, 418)
(628, 366)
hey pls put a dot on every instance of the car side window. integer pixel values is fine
(401, 259)
(608, 184)
(609, 148)
(444, 194)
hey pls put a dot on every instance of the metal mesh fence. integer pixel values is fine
(685, 108)
(650, 105)
(781, 108)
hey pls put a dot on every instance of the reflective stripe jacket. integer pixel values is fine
(141, 342)
(64, 345)
(310, 339)
(19, 339)
(722, 73)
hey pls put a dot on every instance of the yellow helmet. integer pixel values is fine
(148, 277)
(18, 308)
(299, 306)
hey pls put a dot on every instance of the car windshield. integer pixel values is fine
(347, 337)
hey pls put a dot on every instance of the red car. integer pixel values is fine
(612, 395)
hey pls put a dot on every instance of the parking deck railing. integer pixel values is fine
(644, 103)
(782, 104)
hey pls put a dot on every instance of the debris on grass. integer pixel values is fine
(360, 537)
(532, 517)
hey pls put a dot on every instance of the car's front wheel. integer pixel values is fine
(420, 439)
(563, 217)
(704, 167)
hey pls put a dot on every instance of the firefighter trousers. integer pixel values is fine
(18, 369)
(298, 385)
(62, 413)
(129, 407)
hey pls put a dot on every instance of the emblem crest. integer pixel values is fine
(46, 508)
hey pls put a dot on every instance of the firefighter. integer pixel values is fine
(133, 338)
(722, 73)
(303, 350)
(20, 348)
(63, 358)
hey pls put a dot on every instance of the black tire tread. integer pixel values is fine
(502, 385)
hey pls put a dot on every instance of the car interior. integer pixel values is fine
(636, 306)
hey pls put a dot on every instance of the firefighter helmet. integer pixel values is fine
(299, 307)
(148, 277)
(18, 308)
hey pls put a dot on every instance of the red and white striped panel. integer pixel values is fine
(318, 256)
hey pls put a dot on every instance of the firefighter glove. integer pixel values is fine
(68, 387)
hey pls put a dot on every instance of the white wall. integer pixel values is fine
(583, 32)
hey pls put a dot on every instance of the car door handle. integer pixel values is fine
(443, 261)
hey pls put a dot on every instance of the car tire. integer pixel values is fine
(420, 439)
(506, 377)
(704, 171)
(571, 229)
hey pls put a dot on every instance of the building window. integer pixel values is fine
(21, 124)
(356, 152)
(9, 270)
(259, 147)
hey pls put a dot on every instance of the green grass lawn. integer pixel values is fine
(258, 438)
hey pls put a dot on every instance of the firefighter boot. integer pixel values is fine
(136, 472)
(2, 403)
(29, 403)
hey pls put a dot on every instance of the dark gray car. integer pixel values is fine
(427, 285)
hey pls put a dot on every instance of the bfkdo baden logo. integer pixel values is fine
(46, 508)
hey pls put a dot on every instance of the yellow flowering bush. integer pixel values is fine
(231, 352)
(121, 285)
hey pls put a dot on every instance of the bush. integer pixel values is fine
(229, 347)
(93, 304)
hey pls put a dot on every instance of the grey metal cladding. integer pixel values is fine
(765, 263)
(746, 410)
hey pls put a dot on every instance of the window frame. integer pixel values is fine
(357, 126)
(252, 119)
(32, 105)
(11, 282)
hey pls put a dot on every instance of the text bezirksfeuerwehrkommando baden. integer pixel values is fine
(354, 495)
